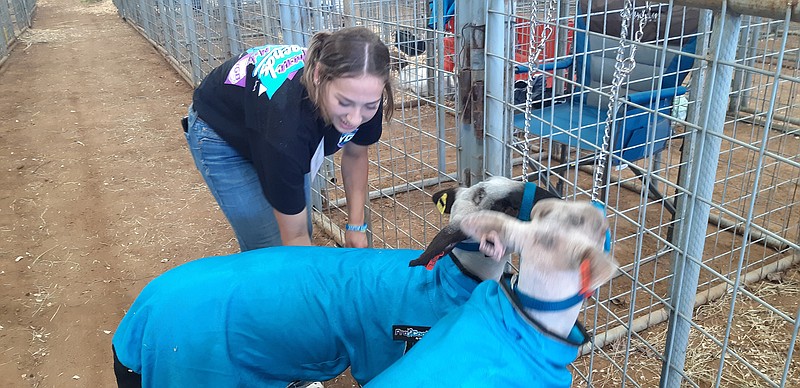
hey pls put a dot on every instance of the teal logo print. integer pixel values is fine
(275, 64)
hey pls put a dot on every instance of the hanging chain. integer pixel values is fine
(622, 69)
(534, 54)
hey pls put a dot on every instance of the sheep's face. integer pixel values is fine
(559, 237)
(496, 193)
(579, 217)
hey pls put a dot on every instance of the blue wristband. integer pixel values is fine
(356, 228)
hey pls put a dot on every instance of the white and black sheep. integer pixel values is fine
(273, 316)
(523, 335)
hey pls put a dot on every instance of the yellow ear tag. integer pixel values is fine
(441, 204)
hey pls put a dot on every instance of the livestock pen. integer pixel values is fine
(683, 121)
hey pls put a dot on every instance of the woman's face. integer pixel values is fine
(350, 102)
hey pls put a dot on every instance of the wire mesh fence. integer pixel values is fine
(693, 152)
(197, 36)
(15, 18)
(683, 122)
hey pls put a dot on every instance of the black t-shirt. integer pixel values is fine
(257, 104)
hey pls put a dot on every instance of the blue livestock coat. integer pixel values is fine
(487, 342)
(271, 316)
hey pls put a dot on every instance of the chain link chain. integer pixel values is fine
(534, 53)
(622, 68)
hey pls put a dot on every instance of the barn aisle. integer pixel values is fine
(99, 193)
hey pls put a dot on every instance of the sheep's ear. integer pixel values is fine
(492, 226)
(601, 266)
(444, 199)
(543, 195)
(442, 244)
(515, 202)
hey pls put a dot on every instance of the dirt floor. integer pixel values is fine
(98, 192)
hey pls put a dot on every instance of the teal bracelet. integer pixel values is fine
(356, 228)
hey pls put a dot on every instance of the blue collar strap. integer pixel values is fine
(469, 246)
(602, 208)
(585, 291)
(577, 337)
(463, 269)
(541, 305)
(527, 202)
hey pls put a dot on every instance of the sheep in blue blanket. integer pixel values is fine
(522, 335)
(270, 317)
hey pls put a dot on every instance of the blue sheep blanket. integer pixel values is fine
(271, 316)
(486, 342)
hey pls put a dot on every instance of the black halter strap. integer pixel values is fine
(463, 269)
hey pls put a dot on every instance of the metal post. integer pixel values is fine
(168, 16)
(696, 88)
(742, 80)
(145, 20)
(349, 20)
(271, 22)
(469, 100)
(439, 88)
(232, 31)
(498, 70)
(751, 54)
(190, 34)
(694, 208)
(206, 38)
(435, 43)
(22, 17)
(306, 30)
(166, 33)
(562, 37)
(291, 23)
(318, 16)
(6, 27)
(739, 276)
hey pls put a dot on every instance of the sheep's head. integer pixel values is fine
(498, 194)
(560, 236)
(580, 217)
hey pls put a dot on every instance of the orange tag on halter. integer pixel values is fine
(586, 278)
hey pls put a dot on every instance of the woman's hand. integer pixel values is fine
(353, 239)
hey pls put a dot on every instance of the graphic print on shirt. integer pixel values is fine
(273, 66)
(346, 137)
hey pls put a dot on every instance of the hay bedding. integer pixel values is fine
(93, 7)
(757, 335)
(66, 34)
(34, 36)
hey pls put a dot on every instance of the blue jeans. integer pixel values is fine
(234, 183)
